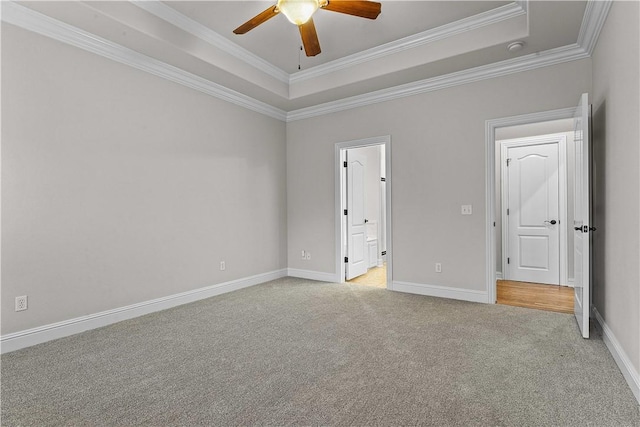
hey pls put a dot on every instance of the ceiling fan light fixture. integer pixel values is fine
(298, 12)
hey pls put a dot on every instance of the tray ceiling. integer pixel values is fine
(410, 41)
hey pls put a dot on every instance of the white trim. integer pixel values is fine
(441, 291)
(451, 29)
(339, 208)
(555, 138)
(504, 224)
(562, 192)
(489, 71)
(37, 22)
(29, 337)
(499, 275)
(206, 34)
(490, 182)
(312, 275)
(622, 360)
(595, 14)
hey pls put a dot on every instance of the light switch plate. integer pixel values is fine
(467, 209)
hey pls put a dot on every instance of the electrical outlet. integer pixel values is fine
(304, 255)
(438, 267)
(223, 266)
(467, 210)
(21, 303)
(308, 255)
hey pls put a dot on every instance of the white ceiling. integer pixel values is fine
(410, 41)
(278, 41)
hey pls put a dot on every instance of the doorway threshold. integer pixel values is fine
(535, 295)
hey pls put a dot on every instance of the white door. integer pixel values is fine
(533, 214)
(581, 223)
(356, 263)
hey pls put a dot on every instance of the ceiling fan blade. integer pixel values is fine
(309, 38)
(257, 20)
(363, 9)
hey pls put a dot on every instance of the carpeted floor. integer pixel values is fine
(297, 352)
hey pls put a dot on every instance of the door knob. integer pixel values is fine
(552, 222)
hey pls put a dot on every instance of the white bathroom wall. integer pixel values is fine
(372, 188)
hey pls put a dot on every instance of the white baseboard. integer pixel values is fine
(498, 275)
(626, 367)
(313, 275)
(29, 337)
(441, 291)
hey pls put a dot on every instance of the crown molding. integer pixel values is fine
(31, 20)
(524, 4)
(595, 14)
(195, 28)
(594, 18)
(471, 23)
(498, 69)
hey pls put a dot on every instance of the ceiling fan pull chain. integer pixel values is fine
(299, 58)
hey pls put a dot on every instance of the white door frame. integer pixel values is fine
(561, 140)
(490, 181)
(340, 149)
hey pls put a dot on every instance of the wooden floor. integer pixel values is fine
(376, 276)
(535, 295)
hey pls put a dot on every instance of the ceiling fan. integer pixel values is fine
(299, 12)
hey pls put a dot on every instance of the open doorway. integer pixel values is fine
(580, 222)
(533, 210)
(363, 218)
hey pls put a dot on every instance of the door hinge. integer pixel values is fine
(345, 212)
(346, 259)
(344, 164)
(508, 161)
(494, 223)
(507, 211)
(508, 260)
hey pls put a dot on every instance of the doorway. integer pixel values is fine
(580, 221)
(533, 207)
(520, 137)
(531, 216)
(363, 217)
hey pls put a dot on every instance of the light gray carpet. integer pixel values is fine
(297, 352)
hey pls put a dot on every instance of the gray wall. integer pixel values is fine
(119, 187)
(616, 137)
(438, 164)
